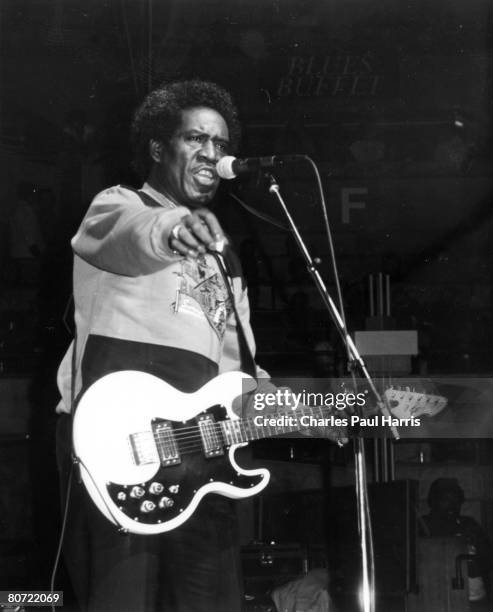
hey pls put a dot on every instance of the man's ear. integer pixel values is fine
(156, 150)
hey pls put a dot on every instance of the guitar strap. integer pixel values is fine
(247, 361)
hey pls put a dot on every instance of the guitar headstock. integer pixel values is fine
(406, 403)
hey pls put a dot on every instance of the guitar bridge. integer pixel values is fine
(143, 447)
(210, 435)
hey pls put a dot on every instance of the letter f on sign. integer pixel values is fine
(347, 205)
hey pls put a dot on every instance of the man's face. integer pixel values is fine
(186, 170)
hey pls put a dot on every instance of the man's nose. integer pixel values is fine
(209, 151)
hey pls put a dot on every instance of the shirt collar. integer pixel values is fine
(158, 196)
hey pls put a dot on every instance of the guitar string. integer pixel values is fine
(198, 446)
(239, 428)
(219, 432)
(238, 439)
(187, 443)
(195, 447)
(193, 438)
(191, 444)
(217, 425)
(243, 433)
(194, 431)
(190, 439)
(249, 421)
(296, 411)
(242, 428)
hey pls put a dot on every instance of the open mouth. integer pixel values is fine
(206, 176)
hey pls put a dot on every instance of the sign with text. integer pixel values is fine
(337, 74)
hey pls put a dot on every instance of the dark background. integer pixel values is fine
(393, 101)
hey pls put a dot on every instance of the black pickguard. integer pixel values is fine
(180, 483)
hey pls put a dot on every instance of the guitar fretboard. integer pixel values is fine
(268, 425)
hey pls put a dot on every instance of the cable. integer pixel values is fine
(70, 477)
(108, 507)
(329, 237)
(259, 214)
(62, 534)
(276, 223)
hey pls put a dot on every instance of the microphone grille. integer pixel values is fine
(224, 167)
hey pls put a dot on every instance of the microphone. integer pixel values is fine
(230, 167)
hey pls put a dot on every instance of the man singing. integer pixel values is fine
(149, 296)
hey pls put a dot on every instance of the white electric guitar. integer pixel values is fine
(149, 453)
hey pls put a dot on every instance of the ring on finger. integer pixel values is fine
(175, 231)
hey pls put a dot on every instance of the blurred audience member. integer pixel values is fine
(445, 499)
(328, 360)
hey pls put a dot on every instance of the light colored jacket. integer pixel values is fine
(129, 285)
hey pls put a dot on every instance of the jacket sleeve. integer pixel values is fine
(120, 234)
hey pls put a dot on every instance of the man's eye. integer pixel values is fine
(197, 138)
(222, 146)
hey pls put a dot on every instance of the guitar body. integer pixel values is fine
(149, 453)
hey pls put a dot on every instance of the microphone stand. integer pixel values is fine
(355, 362)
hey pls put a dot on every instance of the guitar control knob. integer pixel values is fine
(147, 506)
(156, 488)
(166, 502)
(121, 496)
(174, 489)
(137, 492)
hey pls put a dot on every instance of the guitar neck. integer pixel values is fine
(269, 425)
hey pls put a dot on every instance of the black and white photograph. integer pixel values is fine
(246, 305)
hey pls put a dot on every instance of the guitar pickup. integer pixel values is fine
(211, 436)
(166, 443)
